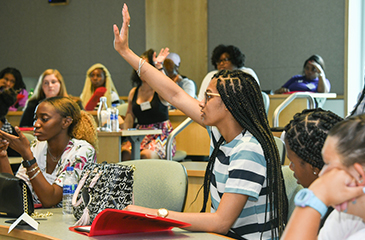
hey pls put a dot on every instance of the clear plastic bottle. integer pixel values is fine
(104, 116)
(114, 112)
(69, 187)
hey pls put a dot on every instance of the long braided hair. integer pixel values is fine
(242, 96)
(307, 132)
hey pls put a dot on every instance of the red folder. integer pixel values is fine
(113, 221)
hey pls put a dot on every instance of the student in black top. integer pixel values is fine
(150, 110)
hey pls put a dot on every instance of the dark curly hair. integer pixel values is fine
(7, 99)
(136, 81)
(307, 132)
(235, 54)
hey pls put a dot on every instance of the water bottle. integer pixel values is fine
(69, 187)
(104, 116)
(31, 92)
(114, 112)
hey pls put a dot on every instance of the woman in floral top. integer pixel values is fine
(66, 136)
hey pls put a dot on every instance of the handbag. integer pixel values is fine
(105, 185)
(15, 196)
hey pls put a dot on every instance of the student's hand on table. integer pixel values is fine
(336, 188)
(134, 208)
(281, 90)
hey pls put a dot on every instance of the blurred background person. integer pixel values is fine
(98, 83)
(50, 84)
(225, 58)
(14, 80)
(313, 78)
(150, 110)
(171, 68)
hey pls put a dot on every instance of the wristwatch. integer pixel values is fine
(306, 197)
(28, 163)
(162, 212)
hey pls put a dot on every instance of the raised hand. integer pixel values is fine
(161, 56)
(121, 38)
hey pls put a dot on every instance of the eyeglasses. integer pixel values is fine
(209, 95)
(224, 60)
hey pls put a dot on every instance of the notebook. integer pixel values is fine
(114, 221)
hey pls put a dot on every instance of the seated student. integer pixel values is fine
(66, 136)
(304, 139)
(50, 84)
(226, 58)
(313, 78)
(98, 83)
(7, 99)
(14, 80)
(340, 184)
(150, 110)
(171, 66)
(244, 172)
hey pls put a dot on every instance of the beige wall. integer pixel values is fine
(181, 26)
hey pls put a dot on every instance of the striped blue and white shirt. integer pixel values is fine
(240, 167)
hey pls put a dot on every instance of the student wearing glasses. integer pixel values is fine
(243, 174)
(225, 58)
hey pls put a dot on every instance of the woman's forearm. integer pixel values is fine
(323, 86)
(303, 224)
(5, 165)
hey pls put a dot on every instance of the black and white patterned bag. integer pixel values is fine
(105, 185)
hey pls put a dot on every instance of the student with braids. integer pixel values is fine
(304, 139)
(341, 185)
(244, 172)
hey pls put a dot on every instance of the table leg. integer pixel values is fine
(136, 143)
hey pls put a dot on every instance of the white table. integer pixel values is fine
(56, 227)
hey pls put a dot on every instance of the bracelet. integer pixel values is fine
(32, 170)
(159, 69)
(140, 64)
(36, 174)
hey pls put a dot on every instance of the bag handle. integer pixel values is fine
(78, 189)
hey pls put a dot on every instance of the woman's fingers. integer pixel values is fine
(335, 187)
(121, 38)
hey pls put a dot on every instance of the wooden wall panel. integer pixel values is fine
(181, 26)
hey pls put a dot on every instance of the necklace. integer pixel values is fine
(53, 158)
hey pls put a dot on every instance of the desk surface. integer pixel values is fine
(315, 95)
(56, 227)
